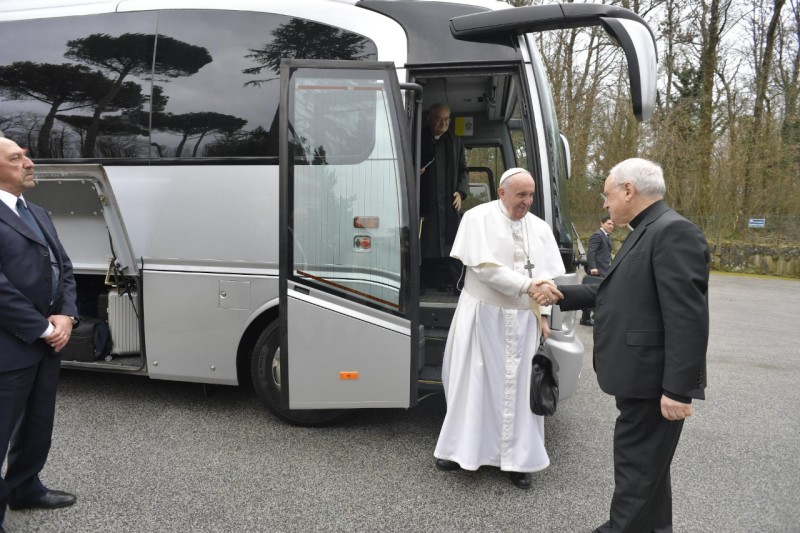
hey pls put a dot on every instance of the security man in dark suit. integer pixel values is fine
(650, 340)
(598, 259)
(37, 310)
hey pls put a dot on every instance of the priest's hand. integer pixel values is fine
(457, 200)
(545, 292)
(675, 410)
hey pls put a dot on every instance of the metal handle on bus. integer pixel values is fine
(417, 119)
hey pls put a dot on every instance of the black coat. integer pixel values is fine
(436, 192)
(651, 310)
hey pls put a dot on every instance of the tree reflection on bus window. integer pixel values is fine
(106, 86)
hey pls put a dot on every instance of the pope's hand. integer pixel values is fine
(545, 292)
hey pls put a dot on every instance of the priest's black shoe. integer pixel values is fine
(444, 464)
(589, 322)
(50, 499)
(521, 480)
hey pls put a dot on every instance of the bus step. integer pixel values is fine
(436, 316)
(430, 377)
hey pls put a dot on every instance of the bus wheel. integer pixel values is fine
(265, 369)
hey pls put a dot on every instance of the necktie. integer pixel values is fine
(28, 219)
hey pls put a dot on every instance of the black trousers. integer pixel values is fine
(644, 444)
(440, 272)
(27, 410)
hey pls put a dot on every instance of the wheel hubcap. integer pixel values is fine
(276, 369)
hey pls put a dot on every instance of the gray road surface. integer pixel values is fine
(149, 456)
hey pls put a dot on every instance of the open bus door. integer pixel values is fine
(349, 276)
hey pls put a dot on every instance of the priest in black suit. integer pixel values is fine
(444, 184)
(650, 340)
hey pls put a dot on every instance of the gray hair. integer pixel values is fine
(646, 176)
(437, 106)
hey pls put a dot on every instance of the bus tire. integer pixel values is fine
(265, 370)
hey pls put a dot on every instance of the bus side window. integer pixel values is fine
(191, 91)
(64, 95)
(485, 165)
(229, 108)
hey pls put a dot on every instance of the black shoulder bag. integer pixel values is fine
(544, 382)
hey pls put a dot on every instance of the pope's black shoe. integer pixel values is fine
(50, 499)
(521, 480)
(444, 464)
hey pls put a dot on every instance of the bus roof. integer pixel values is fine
(47, 8)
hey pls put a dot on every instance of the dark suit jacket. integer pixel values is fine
(651, 310)
(599, 254)
(25, 287)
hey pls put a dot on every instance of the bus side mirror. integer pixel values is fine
(625, 27)
(566, 153)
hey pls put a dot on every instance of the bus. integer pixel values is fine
(237, 182)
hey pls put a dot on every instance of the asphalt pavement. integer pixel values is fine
(154, 456)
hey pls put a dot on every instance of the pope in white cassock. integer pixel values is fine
(494, 335)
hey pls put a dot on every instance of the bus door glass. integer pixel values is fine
(346, 298)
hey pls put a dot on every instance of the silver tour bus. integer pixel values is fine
(235, 181)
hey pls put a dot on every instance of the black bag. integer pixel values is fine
(544, 383)
(90, 341)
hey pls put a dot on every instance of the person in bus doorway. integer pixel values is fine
(650, 340)
(37, 310)
(495, 332)
(598, 258)
(444, 185)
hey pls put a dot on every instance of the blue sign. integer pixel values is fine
(757, 223)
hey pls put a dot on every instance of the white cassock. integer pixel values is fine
(486, 370)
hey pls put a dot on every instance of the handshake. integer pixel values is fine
(544, 292)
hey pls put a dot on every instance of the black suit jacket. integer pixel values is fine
(25, 287)
(599, 254)
(651, 310)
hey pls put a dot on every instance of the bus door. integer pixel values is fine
(349, 285)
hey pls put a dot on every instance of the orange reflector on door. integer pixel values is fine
(367, 222)
(362, 243)
(348, 375)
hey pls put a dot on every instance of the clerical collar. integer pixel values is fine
(437, 137)
(638, 218)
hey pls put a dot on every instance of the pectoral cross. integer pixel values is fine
(529, 267)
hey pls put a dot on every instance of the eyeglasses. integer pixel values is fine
(604, 195)
(442, 120)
